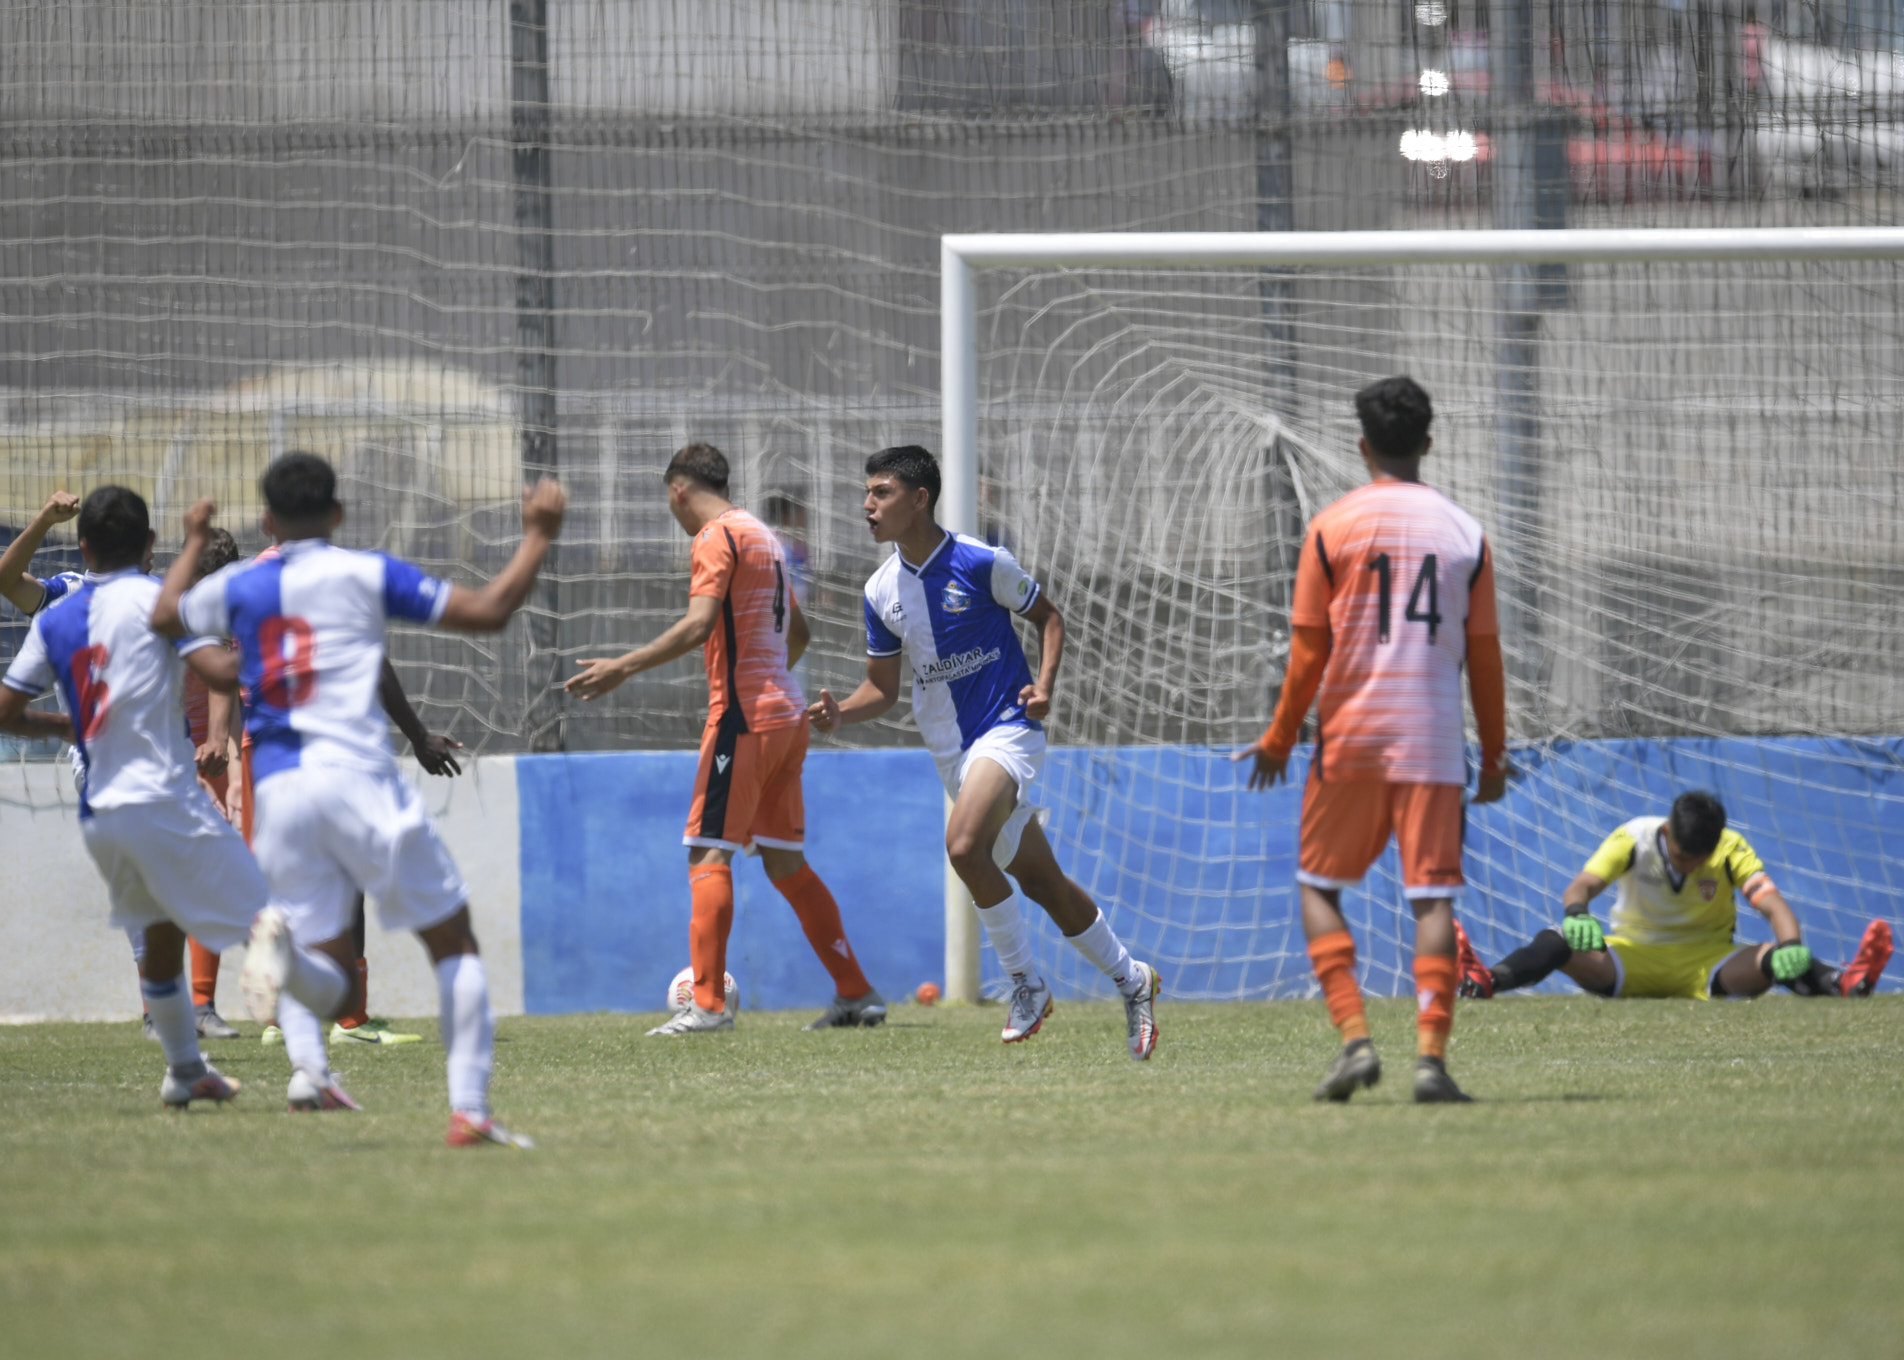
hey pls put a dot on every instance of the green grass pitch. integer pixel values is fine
(1639, 1179)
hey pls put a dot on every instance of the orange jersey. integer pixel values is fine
(1400, 576)
(738, 561)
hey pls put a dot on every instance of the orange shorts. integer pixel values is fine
(747, 790)
(1345, 827)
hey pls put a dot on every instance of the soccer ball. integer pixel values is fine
(681, 991)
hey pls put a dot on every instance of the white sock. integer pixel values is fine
(303, 1039)
(317, 982)
(469, 1031)
(1099, 943)
(175, 1022)
(1011, 941)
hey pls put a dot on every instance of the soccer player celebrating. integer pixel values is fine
(172, 864)
(1394, 591)
(743, 614)
(207, 712)
(1673, 921)
(334, 817)
(947, 601)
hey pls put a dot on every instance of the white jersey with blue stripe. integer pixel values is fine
(953, 619)
(309, 621)
(120, 683)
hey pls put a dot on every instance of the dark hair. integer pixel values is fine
(299, 487)
(115, 524)
(1395, 413)
(911, 464)
(702, 463)
(1697, 822)
(219, 553)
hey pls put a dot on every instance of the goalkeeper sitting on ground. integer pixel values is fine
(1673, 921)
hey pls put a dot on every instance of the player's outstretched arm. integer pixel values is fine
(23, 590)
(878, 692)
(1036, 697)
(435, 751)
(217, 667)
(489, 609)
(36, 723)
(604, 673)
(166, 621)
(1309, 648)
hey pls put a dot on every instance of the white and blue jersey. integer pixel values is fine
(953, 618)
(309, 620)
(120, 683)
(56, 588)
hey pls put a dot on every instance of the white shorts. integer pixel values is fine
(1020, 752)
(325, 833)
(176, 861)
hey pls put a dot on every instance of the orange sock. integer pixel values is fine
(1434, 994)
(362, 1013)
(204, 974)
(1334, 958)
(806, 892)
(712, 888)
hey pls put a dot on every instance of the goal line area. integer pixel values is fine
(1681, 443)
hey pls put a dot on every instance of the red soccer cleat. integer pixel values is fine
(1874, 951)
(468, 1131)
(1477, 982)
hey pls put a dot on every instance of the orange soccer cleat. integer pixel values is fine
(1874, 951)
(1477, 980)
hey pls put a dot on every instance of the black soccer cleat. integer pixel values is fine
(1433, 1085)
(1356, 1065)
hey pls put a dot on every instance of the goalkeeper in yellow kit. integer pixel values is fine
(1672, 923)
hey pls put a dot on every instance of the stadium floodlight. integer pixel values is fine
(1635, 346)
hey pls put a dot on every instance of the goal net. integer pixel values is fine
(1689, 475)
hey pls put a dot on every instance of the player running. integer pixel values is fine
(1394, 591)
(1673, 921)
(172, 864)
(334, 816)
(207, 711)
(743, 614)
(948, 601)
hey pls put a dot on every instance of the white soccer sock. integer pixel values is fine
(176, 1023)
(1011, 940)
(1099, 943)
(303, 1039)
(317, 982)
(469, 1031)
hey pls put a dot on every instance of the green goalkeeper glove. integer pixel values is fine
(1788, 962)
(1581, 931)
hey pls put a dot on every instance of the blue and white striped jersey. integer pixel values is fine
(309, 620)
(119, 682)
(953, 618)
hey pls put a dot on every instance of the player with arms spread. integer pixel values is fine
(334, 816)
(1394, 592)
(171, 862)
(947, 601)
(1673, 921)
(742, 613)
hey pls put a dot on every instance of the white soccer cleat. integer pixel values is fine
(267, 965)
(694, 1020)
(305, 1096)
(211, 1085)
(1030, 1004)
(1140, 1013)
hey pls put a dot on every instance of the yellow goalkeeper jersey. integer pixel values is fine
(1655, 905)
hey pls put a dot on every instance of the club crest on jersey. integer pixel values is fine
(956, 599)
(1707, 887)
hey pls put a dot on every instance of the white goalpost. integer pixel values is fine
(1617, 406)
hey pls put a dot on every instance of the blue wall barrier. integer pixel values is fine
(1194, 871)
